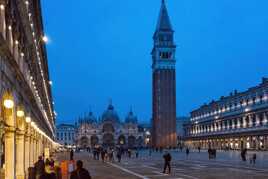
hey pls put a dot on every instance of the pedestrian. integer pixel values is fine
(102, 155)
(254, 157)
(137, 153)
(71, 154)
(199, 148)
(57, 170)
(187, 152)
(119, 155)
(167, 158)
(243, 154)
(39, 167)
(129, 153)
(209, 153)
(80, 172)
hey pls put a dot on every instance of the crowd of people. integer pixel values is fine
(45, 169)
(50, 169)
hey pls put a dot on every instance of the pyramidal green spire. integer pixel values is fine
(163, 23)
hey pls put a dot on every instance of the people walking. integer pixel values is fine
(199, 148)
(103, 155)
(71, 154)
(253, 158)
(167, 158)
(187, 152)
(243, 154)
(137, 153)
(119, 155)
(39, 167)
(80, 172)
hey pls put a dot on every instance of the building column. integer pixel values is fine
(3, 20)
(238, 123)
(27, 150)
(257, 120)
(244, 122)
(250, 121)
(10, 153)
(265, 120)
(31, 148)
(20, 173)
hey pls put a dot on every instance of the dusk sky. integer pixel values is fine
(100, 50)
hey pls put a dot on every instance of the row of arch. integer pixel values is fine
(21, 141)
(108, 139)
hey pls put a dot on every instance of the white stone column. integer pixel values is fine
(257, 120)
(10, 153)
(3, 20)
(20, 173)
(31, 148)
(244, 122)
(250, 120)
(265, 120)
(27, 151)
(238, 123)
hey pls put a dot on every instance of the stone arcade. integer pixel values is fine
(26, 111)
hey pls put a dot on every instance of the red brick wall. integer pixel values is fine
(164, 118)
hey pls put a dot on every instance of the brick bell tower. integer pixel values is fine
(164, 83)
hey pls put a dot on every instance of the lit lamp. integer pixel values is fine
(28, 119)
(8, 103)
(20, 112)
(45, 39)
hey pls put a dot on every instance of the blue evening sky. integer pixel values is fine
(100, 49)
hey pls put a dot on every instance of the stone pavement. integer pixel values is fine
(196, 166)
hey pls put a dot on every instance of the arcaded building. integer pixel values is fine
(109, 130)
(27, 120)
(164, 83)
(235, 121)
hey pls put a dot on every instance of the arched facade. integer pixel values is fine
(26, 112)
(109, 131)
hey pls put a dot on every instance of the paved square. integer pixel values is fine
(196, 166)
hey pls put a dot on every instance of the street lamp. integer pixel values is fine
(45, 39)
(28, 119)
(8, 103)
(20, 113)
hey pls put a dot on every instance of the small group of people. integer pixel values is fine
(252, 159)
(48, 169)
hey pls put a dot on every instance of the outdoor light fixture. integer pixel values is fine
(2, 7)
(50, 82)
(32, 124)
(28, 119)
(45, 39)
(247, 110)
(9, 103)
(20, 113)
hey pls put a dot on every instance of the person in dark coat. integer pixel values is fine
(39, 167)
(80, 172)
(167, 157)
(72, 155)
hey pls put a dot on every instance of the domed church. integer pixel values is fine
(109, 130)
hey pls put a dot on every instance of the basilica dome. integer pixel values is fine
(131, 118)
(110, 115)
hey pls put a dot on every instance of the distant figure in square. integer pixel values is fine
(71, 154)
(167, 158)
(187, 152)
